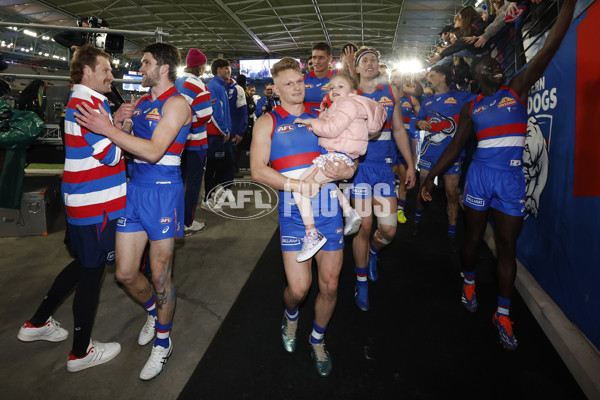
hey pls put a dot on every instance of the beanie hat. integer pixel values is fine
(195, 58)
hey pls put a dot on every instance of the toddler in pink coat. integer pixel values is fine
(344, 130)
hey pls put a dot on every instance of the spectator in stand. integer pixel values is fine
(469, 23)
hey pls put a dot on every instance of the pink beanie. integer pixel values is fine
(195, 58)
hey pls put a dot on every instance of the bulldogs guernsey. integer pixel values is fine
(408, 112)
(146, 116)
(442, 111)
(93, 184)
(198, 97)
(500, 122)
(293, 146)
(381, 150)
(315, 89)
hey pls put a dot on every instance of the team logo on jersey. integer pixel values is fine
(386, 101)
(479, 109)
(406, 104)
(507, 101)
(165, 220)
(326, 87)
(450, 100)
(285, 128)
(308, 86)
(154, 115)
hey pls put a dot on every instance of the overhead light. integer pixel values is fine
(46, 37)
(116, 61)
(409, 66)
(30, 33)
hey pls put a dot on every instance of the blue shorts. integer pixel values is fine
(500, 189)
(94, 245)
(371, 181)
(398, 158)
(156, 209)
(327, 215)
(427, 162)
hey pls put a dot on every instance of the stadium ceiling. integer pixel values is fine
(253, 28)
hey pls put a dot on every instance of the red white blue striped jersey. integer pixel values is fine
(500, 122)
(293, 146)
(381, 150)
(94, 177)
(198, 97)
(146, 116)
(315, 89)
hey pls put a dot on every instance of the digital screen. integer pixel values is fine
(258, 69)
(135, 87)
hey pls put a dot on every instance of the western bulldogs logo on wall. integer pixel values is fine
(535, 160)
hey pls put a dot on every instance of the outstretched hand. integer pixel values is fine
(304, 121)
(97, 121)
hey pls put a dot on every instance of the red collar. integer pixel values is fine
(378, 87)
(167, 93)
(283, 112)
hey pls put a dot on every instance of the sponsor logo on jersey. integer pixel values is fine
(515, 163)
(308, 86)
(338, 230)
(165, 220)
(154, 115)
(137, 112)
(476, 201)
(289, 241)
(110, 256)
(479, 109)
(122, 221)
(507, 101)
(386, 101)
(165, 230)
(450, 100)
(285, 128)
(428, 103)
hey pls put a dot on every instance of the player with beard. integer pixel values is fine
(495, 178)
(155, 204)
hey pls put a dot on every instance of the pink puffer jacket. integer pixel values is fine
(346, 125)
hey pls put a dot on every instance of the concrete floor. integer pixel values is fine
(210, 269)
